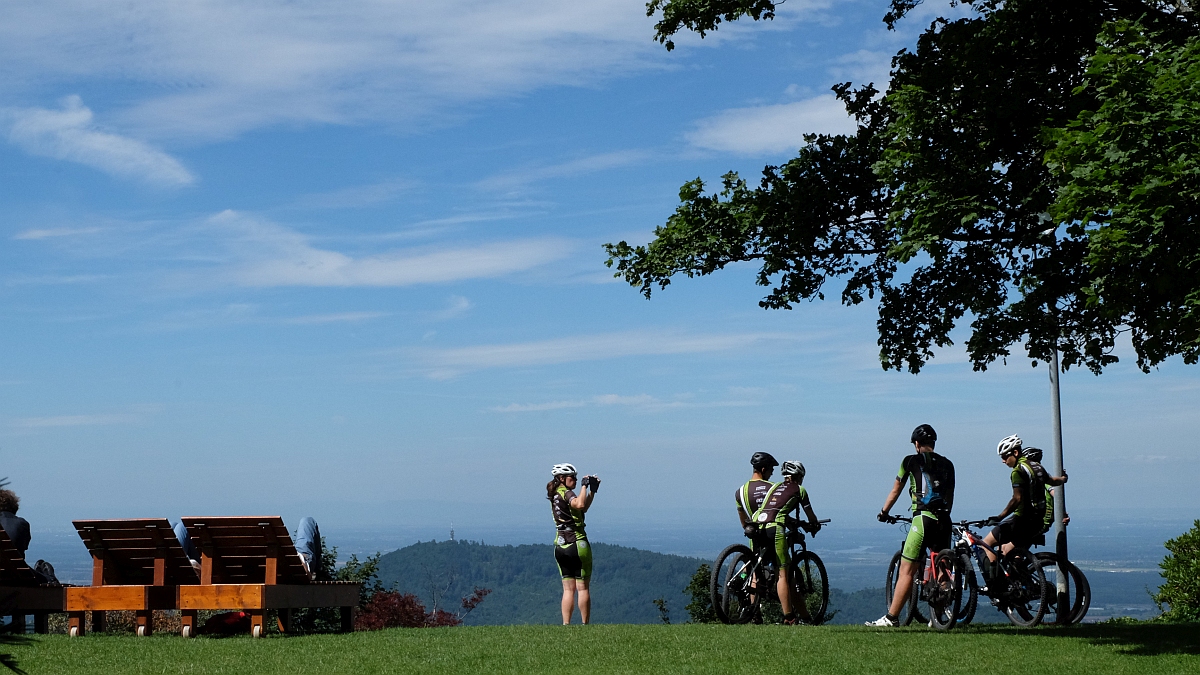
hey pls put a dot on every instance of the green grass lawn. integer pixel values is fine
(1095, 650)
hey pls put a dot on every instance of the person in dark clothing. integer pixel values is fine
(17, 529)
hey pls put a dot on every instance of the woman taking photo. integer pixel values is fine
(571, 550)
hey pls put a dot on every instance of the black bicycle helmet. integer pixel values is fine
(761, 460)
(924, 434)
(1033, 454)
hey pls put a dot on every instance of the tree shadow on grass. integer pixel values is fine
(1145, 638)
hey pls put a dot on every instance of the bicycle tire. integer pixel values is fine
(810, 578)
(970, 590)
(726, 566)
(944, 591)
(1027, 606)
(1078, 588)
(1083, 601)
(909, 609)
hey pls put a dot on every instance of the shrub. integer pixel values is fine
(700, 609)
(392, 609)
(1179, 597)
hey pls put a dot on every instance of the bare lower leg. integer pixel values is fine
(904, 582)
(568, 600)
(585, 601)
(784, 588)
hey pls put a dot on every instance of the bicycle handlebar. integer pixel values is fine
(972, 523)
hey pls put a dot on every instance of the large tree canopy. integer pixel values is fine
(1033, 168)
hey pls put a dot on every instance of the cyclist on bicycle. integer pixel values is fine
(1034, 457)
(762, 507)
(1027, 507)
(931, 486)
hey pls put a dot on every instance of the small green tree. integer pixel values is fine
(1179, 597)
(700, 609)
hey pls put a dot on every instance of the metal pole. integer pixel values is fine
(1060, 500)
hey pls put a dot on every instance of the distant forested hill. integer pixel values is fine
(526, 587)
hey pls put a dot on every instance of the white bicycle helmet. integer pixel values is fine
(563, 470)
(794, 469)
(1008, 446)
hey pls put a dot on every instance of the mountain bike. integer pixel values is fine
(1016, 585)
(936, 593)
(742, 578)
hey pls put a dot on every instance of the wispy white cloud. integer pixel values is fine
(73, 421)
(55, 280)
(771, 129)
(70, 134)
(450, 362)
(864, 66)
(54, 232)
(639, 401)
(227, 66)
(358, 196)
(343, 317)
(583, 165)
(273, 255)
(457, 306)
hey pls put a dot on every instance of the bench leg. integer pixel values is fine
(256, 623)
(75, 624)
(18, 624)
(285, 621)
(145, 623)
(347, 619)
(41, 623)
(99, 621)
(188, 618)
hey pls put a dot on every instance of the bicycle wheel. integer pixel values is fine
(731, 585)
(1079, 591)
(1083, 599)
(1025, 598)
(908, 611)
(943, 591)
(810, 581)
(970, 591)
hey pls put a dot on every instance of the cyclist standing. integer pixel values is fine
(1027, 506)
(931, 478)
(791, 496)
(571, 549)
(762, 506)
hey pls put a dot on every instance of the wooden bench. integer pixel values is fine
(249, 563)
(137, 565)
(22, 591)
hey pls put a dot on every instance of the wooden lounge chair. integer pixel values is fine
(22, 592)
(137, 564)
(249, 563)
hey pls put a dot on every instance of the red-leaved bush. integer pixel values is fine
(391, 609)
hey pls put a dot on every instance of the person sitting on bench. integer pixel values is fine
(307, 540)
(17, 529)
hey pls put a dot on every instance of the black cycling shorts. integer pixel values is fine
(574, 559)
(1020, 533)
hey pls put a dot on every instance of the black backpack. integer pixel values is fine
(933, 484)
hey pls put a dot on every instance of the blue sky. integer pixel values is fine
(344, 259)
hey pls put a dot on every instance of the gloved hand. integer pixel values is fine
(994, 521)
(815, 527)
(884, 517)
(749, 529)
(595, 483)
